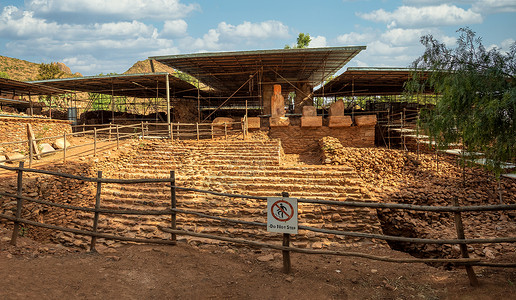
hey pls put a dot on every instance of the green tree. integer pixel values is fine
(477, 96)
(4, 75)
(303, 40)
(49, 71)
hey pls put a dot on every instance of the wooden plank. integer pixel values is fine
(31, 137)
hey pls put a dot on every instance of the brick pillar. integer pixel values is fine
(267, 92)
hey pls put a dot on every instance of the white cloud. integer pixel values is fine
(417, 17)
(121, 9)
(15, 23)
(86, 48)
(399, 36)
(494, 6)
(174, 28)
(354, 38)
(228, 37)
(506, 44)
(393, 48)
(318, 42)
(263, 30)
(480, 6)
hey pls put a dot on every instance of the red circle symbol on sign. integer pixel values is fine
(282, 211)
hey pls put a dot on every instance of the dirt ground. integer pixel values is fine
(198, 271)
(35, 270)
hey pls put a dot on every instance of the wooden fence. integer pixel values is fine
(116, 133)
(285, 247)
(180, 131)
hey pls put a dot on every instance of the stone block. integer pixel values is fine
(309, 111)
(365, 120)
(279, 121)
(2, 160)
(339, 121)
(45, 148)
(14, 156)
(277, 103)
(253, 123)
(60, 144)
(311, 121)
(219, 121)
(337, 108)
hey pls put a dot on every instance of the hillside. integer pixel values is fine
(18, 69)
(144, 66)
(22, 70)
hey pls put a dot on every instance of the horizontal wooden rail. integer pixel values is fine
(89, 233)
(313, 229)
(360, 234)
(325, 252)
(88, 179)
(497, 207)
(89, 209)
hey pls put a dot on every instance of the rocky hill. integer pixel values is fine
(23, 70)
(144, 66)
(18, 69)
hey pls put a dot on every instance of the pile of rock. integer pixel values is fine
(403, 177)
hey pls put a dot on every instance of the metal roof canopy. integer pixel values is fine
(367, 81)
(228, 71)
(147, 85)
(20, 88)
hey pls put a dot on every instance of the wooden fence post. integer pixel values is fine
(226, 130)
(178, 134)
(212, 131)
(171, 131)
(117, 137)
(173, 203)
(473, 281)
(143, 132)
(110, 131)
(287, 266)
(97, 207)
(197, 127)
(31, 150)
(19, 204)
(64, 147)
(94, 141)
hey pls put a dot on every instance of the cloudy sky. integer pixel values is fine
(97, 36)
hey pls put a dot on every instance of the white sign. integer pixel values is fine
(282, 215)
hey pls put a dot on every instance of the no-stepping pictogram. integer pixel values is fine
(282, 211)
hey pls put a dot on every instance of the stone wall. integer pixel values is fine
(15, 129)
(297, 139)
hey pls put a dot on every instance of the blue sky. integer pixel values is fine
(95, 36)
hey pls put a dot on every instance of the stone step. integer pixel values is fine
(209, 160)
(288, 177)
(237, 171)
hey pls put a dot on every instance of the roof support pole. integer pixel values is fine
(31, 106)
(167, 86)
(112, 102)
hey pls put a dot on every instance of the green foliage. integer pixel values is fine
(186, 77)
(4, 75)
(103, 102)
(48, 71)
(477, 103)
(303, 40)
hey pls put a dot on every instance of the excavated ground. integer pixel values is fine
(395, 176)
(226, 271)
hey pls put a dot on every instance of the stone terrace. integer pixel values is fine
(240, 167)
